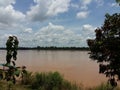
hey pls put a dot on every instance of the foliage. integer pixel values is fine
(118, 1)
(49, 81)
(11, 47)
(10, 72)
(41, 81)
(27, 78)
(52, 81)
(103, 86)
(10, 86)
(105, 48)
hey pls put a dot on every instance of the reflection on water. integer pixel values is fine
(73, 65)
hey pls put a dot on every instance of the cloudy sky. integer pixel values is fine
(52, 22)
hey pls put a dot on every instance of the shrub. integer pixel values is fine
(51, 81)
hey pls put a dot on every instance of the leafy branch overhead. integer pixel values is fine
(118, 1)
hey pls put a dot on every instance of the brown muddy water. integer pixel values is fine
(75, 66)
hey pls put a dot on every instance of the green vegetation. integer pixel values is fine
(48, 81)
(105, 48)
(118, 1)
(103, 86)
(10, 72)
(40, 81)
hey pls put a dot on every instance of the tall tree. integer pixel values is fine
(105, 48)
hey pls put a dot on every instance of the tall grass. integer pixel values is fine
(103, 86)
(52, 81)
(48, 81)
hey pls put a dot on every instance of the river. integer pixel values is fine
(75, 66)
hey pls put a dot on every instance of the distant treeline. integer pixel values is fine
(49, 48)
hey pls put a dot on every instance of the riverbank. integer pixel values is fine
(49, 81)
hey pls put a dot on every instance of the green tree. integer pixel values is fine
(118, 1)
(11, 46)
(105, 48)
(12, 71)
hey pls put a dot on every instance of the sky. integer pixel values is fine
(61, 23)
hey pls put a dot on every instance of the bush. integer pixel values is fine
(51, 81)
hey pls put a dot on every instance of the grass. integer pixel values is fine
(103, 86)
(48, 81)
(51, 81)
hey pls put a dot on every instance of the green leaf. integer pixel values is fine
(17, 72)
(118, 1)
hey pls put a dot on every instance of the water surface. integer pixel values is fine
(75, 66)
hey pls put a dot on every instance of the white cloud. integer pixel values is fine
(99, 2)
(45, 9)
(74, 5)
(3, 39)
(58, 6)
(51, 35)
(85, 3)
(88, 27)
(82, 14)
(113, 4)
(28, 30)
(38, 12)
(4, 3)
(59, 36)
(9, 17)
(88, 31)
